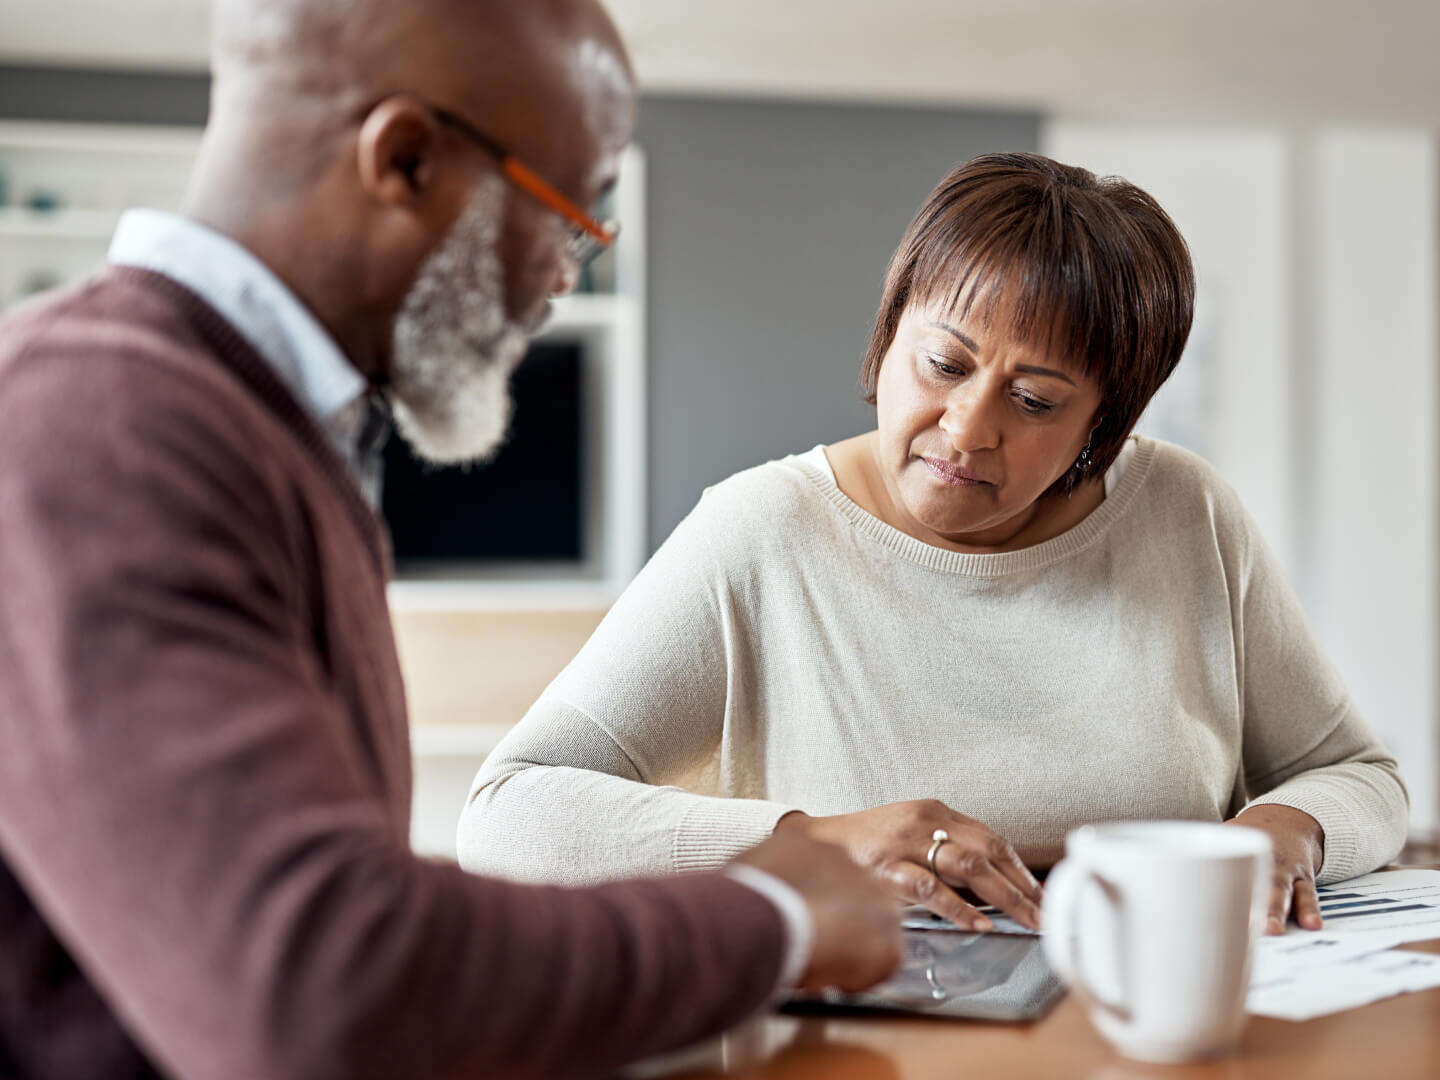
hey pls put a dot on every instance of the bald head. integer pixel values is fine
(377, 46)
(331, 153)
(530, 73)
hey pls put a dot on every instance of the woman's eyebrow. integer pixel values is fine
(1028, 369)
(964, 339)
(1032, 369)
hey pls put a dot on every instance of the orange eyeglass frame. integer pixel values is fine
(588, 236)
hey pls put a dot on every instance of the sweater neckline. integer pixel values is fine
(237, 356)
(816, 467)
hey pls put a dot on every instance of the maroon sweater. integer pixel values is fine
(204, 765)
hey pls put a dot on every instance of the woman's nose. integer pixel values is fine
(970, 422)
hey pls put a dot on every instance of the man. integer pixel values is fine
(204, 771)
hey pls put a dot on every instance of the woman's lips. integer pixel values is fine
(953, 475)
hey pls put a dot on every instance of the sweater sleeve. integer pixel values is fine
(1305, 744)
(185, 800)
(582, 789)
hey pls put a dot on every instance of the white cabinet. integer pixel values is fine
(63, 186)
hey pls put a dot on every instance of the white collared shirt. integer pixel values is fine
(267, 314)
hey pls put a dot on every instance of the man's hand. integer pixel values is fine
(1299, 852)
(857, 927)
(892, 841)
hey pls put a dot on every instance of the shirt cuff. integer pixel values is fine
(799, 926)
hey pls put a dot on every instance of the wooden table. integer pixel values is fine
(1394, 1039)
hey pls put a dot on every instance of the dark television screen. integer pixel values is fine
(525, 505)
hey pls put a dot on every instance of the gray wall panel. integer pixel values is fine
(770, 226)
(80, 95)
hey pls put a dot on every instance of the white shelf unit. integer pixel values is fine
(456, 740)
(18, 222)
(446, 759)
(83, 175)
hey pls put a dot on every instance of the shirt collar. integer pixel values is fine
(264, 311)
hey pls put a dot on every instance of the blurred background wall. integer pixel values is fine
(771, 224)
(786, 146)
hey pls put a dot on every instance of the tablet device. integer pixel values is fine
(919, 918)
(954, 973)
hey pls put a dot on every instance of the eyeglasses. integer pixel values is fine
(587, 237)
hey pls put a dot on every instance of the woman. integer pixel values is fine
(998, 614)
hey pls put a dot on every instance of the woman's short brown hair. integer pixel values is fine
(1087, 269)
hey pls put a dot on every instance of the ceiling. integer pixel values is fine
(1262, 61)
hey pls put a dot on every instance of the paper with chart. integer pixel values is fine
(1385, 908)
(1351, 962)
(1337, 984)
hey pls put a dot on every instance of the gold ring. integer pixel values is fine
(939, 836)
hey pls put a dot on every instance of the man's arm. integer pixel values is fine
(188, 804)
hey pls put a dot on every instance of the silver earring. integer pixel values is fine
(1083, 461)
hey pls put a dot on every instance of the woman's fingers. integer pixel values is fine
(972, 835)
(1281, 889)
(977, 871)
(1014, 868)
(896, 842)
(1306, 904)
(916, 884)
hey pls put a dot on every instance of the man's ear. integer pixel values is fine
(397, 152)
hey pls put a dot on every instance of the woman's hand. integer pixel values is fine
(1299, 851)
(892, 841)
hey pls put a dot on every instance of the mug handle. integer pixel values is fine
(1062, 896)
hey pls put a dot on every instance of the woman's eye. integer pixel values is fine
(942, 367)
(1033, 405)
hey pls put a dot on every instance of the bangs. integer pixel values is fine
(1033, 274)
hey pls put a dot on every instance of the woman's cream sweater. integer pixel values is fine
(787, 650)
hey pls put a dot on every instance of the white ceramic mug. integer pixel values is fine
(1152, 923)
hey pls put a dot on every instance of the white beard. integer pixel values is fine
(454, 348)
